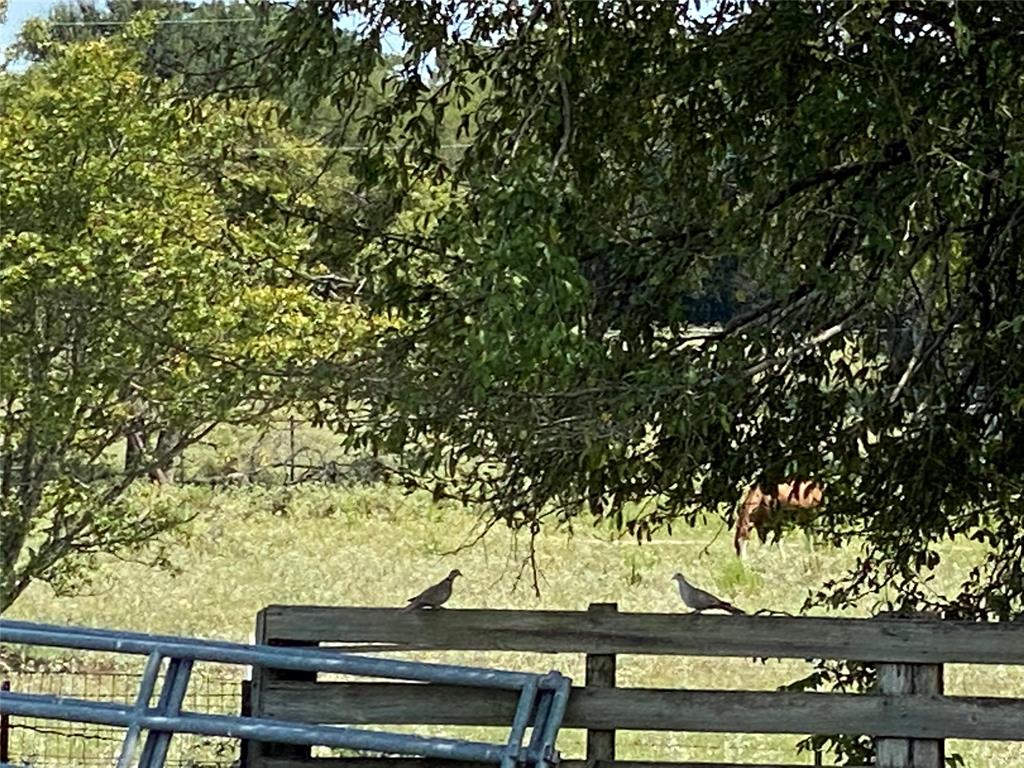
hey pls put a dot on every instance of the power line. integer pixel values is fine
(389, 45)
(341, 147)
(161, 22)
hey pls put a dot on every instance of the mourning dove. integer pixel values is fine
(700, 600)
(434, 596)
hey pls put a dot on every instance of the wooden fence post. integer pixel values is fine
(245, 710)
(902, 680)
(5, 728)
(601, 674)
(255, 752)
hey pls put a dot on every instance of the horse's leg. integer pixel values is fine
(777, 541)
(765, 517)
(739, 540)
(744, 523)
(810, 540)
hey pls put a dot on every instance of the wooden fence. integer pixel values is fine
(908, 716)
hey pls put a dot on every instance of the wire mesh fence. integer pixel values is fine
(55, 744)
(279, 452)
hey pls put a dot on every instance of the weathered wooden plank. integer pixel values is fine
(893, 679)
(903, 679)
(642, 709)
(930, 680)
(252, 752)
(803, 637)
(417, 762)
(600, 673)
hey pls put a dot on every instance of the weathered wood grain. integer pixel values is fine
(255, 751)
(600, 673)
(416, 762)
(872, 640)
(645, 709)
(904, 679)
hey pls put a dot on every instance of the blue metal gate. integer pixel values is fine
(542, 698)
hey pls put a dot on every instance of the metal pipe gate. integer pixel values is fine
(542, 698)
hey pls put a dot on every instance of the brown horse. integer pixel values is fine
(760, 502)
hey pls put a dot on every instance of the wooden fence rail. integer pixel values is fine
(908, 716)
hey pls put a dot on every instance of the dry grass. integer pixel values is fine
(253, 547)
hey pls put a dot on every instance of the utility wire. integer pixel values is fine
(339, 148)
(389, 46)
(162, 22)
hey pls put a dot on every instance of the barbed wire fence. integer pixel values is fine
(56, 744)
(283, 451)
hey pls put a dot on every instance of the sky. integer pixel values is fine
(18, 12)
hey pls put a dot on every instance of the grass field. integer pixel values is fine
(251, 547)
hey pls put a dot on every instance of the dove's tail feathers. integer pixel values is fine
(733, 609)
(412, 606)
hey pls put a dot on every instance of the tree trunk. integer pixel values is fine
(166, 443)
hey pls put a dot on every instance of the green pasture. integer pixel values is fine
(374, 546)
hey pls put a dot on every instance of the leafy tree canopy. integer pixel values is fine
(208, 45)
(686, 249)
(149, 283)
(214, 48)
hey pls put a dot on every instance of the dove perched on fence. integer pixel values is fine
(700, 600)
(434, 596)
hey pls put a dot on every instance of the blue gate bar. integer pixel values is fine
(522, 718)
(131, 738)
(537, 747)
(298, 659)
(171, 697)
(542, 698)
(553, 721)
(253, 728)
